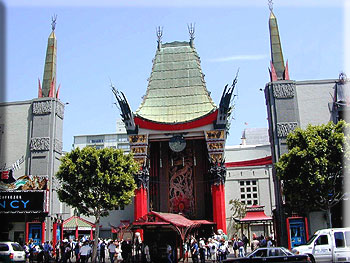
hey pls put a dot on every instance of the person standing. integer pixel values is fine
(111, 250)
(202, 250)
(186, 250)
(169, 253)
(76, 251)
(85, 251)
(47, 251)
(147, 254)
(194, 251)
(102, 252)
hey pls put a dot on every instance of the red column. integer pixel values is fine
(140, 205)
(219, 209)
(54, 235)
(91, 235)
(27, 232)
(42, 232)
(76, 233)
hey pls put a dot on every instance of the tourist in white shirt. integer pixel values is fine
(111, 249)
(84, 252)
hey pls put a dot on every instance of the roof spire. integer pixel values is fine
(53, 23)
(159, 32)
(277, 71)
(49, 78)
(270, 5)
(191, 30)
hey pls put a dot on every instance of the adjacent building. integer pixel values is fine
(30, 149)
(292, 104)
(249, 181)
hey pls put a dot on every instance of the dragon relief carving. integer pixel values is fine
(217, 172)
(142, 177)
(181, 186)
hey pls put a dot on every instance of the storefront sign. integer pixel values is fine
(22, 202)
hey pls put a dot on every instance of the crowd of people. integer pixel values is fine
(68, 251)
(213, 249)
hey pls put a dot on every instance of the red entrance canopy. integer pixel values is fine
(179, 223)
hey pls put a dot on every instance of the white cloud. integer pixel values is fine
(238, 57)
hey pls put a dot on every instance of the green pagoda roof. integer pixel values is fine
(176, 91)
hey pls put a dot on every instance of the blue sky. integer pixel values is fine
(100, 41)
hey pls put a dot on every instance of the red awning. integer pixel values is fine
(255, 213)
(175, 219)
(179, 223)
(256, 162)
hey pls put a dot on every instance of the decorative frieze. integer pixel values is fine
(138, 139)
(60, 110)
(40, 144)
(283, 90)
(42, 107)
(216, 135)
(283, 128)
(58, 146)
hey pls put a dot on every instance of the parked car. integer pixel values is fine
(12, 252)
(328, 245)
(271, 254)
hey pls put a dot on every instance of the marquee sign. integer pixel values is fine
(22, 201)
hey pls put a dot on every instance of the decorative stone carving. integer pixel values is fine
(58, 146)
(60, 110)
(40, 144)
(142, 177)
(217, 172)
(283, 128)
(42, 107)
(283, 90)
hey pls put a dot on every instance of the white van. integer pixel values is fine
(328, 245)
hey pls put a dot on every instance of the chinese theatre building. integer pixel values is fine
(177, 135)
(30, 148)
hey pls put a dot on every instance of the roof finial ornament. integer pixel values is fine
(53, 23)
(159, 36)
(270, 5)
(191, 30)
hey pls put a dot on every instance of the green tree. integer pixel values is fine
(239, 211)
(312, 172)
(95, 181)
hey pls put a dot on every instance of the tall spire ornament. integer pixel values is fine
(53, 23)
(270, 5)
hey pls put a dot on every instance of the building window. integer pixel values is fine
(249, 192)
(123, 146)
(96, 141)
(122, 138)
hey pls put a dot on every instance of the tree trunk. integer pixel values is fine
(97, 233)
(329, 218)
